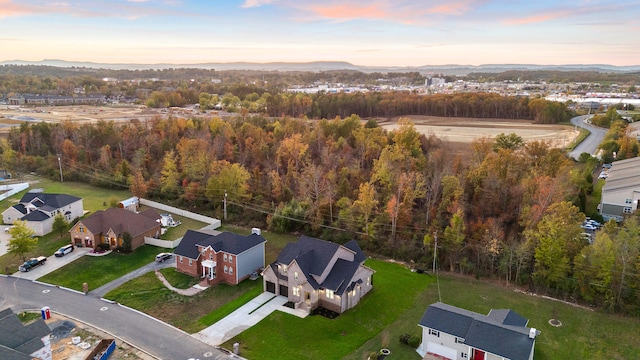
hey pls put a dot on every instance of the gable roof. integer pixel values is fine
(313, 256)
(17, 339)
(500, 333)
(56, 201)
(223, 242)
(121, 221)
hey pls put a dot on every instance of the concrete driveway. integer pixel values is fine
(245, 317)
(52, 263)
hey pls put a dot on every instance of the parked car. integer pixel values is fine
(606, 166)
(589, 227)
(32, 263)
(163, 256)
(64, 250)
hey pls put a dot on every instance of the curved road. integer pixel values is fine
(153, 336)
(591, 143)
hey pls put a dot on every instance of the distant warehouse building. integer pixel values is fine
(621, 192)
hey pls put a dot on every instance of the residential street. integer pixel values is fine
(155, 337)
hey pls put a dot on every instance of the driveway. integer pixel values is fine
(52, 264)
(152, 266)
(245, 317)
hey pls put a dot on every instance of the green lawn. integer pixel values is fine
(190, 313)
(284, 336)
(99, 270)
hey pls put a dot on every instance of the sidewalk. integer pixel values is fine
(187, 292)
(245, 317)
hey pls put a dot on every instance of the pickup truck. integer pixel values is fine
(32, 263)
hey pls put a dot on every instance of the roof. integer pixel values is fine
(121, 221)
(314, 256)
(56, 201)
(501, 332)
(623, 174)
(17, 339)
(223, 242)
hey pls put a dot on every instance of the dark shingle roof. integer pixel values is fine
(17, 338)
(319, 253)
(121, 220)
(507, 317)
(315, 255)
(35, 216)
(54, 200)
(488, 333)
(226, 242)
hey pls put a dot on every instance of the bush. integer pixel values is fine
(414, 342)
(103, 246)
(404, 338)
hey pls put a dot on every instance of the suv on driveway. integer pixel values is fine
(64, 250)
(163, 256)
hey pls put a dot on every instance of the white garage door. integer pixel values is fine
(441, 350)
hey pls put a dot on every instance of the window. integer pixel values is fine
(434, 332)
(296, 291)
(230, 270)
(329, 294)
(284, 269)
(210, 256)
(459, 340)
(226, 269)
(230, 259)
(180, 259)
(295, 275)
(190, 262)
(81, 228)
(224, 257)
(626, 210)
(628, 201)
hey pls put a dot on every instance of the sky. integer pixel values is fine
(367, 32)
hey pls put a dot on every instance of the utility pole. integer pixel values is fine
(60, 166)
(435, 251)
(225, 205)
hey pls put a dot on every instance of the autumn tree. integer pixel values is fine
(22, 239)
(170, 176)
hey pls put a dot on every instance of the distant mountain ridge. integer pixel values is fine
(316, 66)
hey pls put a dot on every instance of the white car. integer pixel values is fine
(588, 227)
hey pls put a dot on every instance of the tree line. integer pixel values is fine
(504, 209)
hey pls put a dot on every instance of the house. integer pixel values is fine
(109, 226)
(453, 333)
(220, 256)
(314, 273)
(621, 192)
(23, 342)
(39, 210)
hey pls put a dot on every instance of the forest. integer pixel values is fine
(503, 209)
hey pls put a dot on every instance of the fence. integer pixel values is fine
(167, 244)
(188, 214)
(12, 189)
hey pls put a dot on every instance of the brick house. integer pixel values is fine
(108, 227)
(220, 257)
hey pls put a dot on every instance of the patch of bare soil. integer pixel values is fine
(466, 130)
(71, 343)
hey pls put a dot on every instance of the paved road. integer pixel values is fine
(155, 337)
(591, 143)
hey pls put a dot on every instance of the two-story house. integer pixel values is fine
(314, 273)
(219, 257)
(109, 226)
(453, 333)
(39, 210)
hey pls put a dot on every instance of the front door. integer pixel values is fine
(478, 354)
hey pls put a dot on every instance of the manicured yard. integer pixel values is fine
(189, 313)
(284, 336)
(99, 270)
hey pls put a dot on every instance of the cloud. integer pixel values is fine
(255, 3)
(129, 9)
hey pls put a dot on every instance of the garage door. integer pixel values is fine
(284, 290)
(271, 287)
(441, 350)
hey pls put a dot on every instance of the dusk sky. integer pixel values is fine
(374, 32)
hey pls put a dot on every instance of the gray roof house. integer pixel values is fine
(220, 256)
(621, 192)
(314, 273)
(456, 334)
(23, 342)
(39, 210)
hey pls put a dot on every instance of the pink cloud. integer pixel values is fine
(9, 8)
(538, 18)
(349, 11)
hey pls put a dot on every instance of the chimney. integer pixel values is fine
(533, 333)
